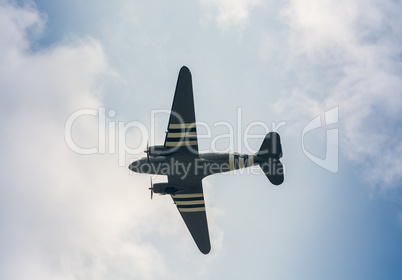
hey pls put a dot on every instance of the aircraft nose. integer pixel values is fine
(133, 166)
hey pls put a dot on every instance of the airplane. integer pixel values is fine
(185, 167)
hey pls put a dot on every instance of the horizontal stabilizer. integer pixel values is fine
(268, 158)
(271, 146)
(273, 169)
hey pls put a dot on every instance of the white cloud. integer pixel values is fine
(63, 216)
(17, 25)
(347, 54)
(67, 216)
(229, 13)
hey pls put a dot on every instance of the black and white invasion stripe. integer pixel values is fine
(237, 161)
(182, 134)
(192, 202)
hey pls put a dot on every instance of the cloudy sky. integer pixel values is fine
(285, 64)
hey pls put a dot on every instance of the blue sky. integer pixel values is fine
(70, 216)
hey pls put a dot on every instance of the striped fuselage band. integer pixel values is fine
(237, 161)
(193, 202)
(182, 134)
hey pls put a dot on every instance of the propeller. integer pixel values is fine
(147, 151)
(152, 189)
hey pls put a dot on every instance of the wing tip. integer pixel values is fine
(205, 249)
(184, 68)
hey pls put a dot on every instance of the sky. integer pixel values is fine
(90, 74)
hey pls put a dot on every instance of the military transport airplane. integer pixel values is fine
(185, 168)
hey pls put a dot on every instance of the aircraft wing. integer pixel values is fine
(190, 203)
(182, 132)
(181, 137)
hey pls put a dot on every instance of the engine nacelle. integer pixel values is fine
(163, 188)
(159, 151)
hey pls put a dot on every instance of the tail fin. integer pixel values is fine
(268, 158)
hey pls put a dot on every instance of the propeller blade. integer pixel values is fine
(152, 189)
(148, 156)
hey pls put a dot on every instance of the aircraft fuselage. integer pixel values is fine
(200, 167)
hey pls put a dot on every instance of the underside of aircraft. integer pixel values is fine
(185, 167)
